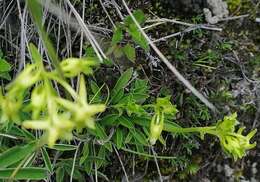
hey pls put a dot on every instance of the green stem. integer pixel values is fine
(65, 85)
(208, 129)
(169, 127)
(36, 13)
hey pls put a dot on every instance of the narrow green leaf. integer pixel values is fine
(99, 132)
(25, 173)
(117, 36)
(46, 159)
(126, 122)
(101, 155)
(16, 154)
(123, 80)
(118, 97)
(63, 147)
(15, 130)
(76, 174)
(128, 137)
(110, 120)
(4, 66)
(35, 54)
(88, 166)
(94, 87)
(119, 138)
(85, 153)
(90, 52)
(108, 62)
(139, 137)
(96, 90)
(35, 9)
(138, 37)
(140, 149)
(101, 135)
(5, 75)
(121, 83)
(139, 91)
(129, 52)
(60, 172)
(139, 16)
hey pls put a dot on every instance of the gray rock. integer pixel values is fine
(216, 11)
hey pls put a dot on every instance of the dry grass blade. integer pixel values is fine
(170, 66)
(101, 55)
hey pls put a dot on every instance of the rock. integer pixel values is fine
(216, 11)
(209, 18)
(228, 170)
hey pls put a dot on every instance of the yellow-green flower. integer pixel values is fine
(234, 143)
(29, 76)
(164, 105)
(57, 127)
(71, 67)
(38, 100)
(82, 113)
(156, 127)
(237, 144)
(10, 109)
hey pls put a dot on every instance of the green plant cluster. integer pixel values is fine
(50, 112)
(133, 118)
(60, 116)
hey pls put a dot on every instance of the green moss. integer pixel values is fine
(233, 4)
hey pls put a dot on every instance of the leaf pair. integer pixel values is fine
(13, 156)
(129, 26)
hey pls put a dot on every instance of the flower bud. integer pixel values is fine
(29, 76)
(71, 67)
(156, 127)
(38, 97)
(10, 109)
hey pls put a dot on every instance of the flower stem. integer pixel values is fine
(208, 129)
